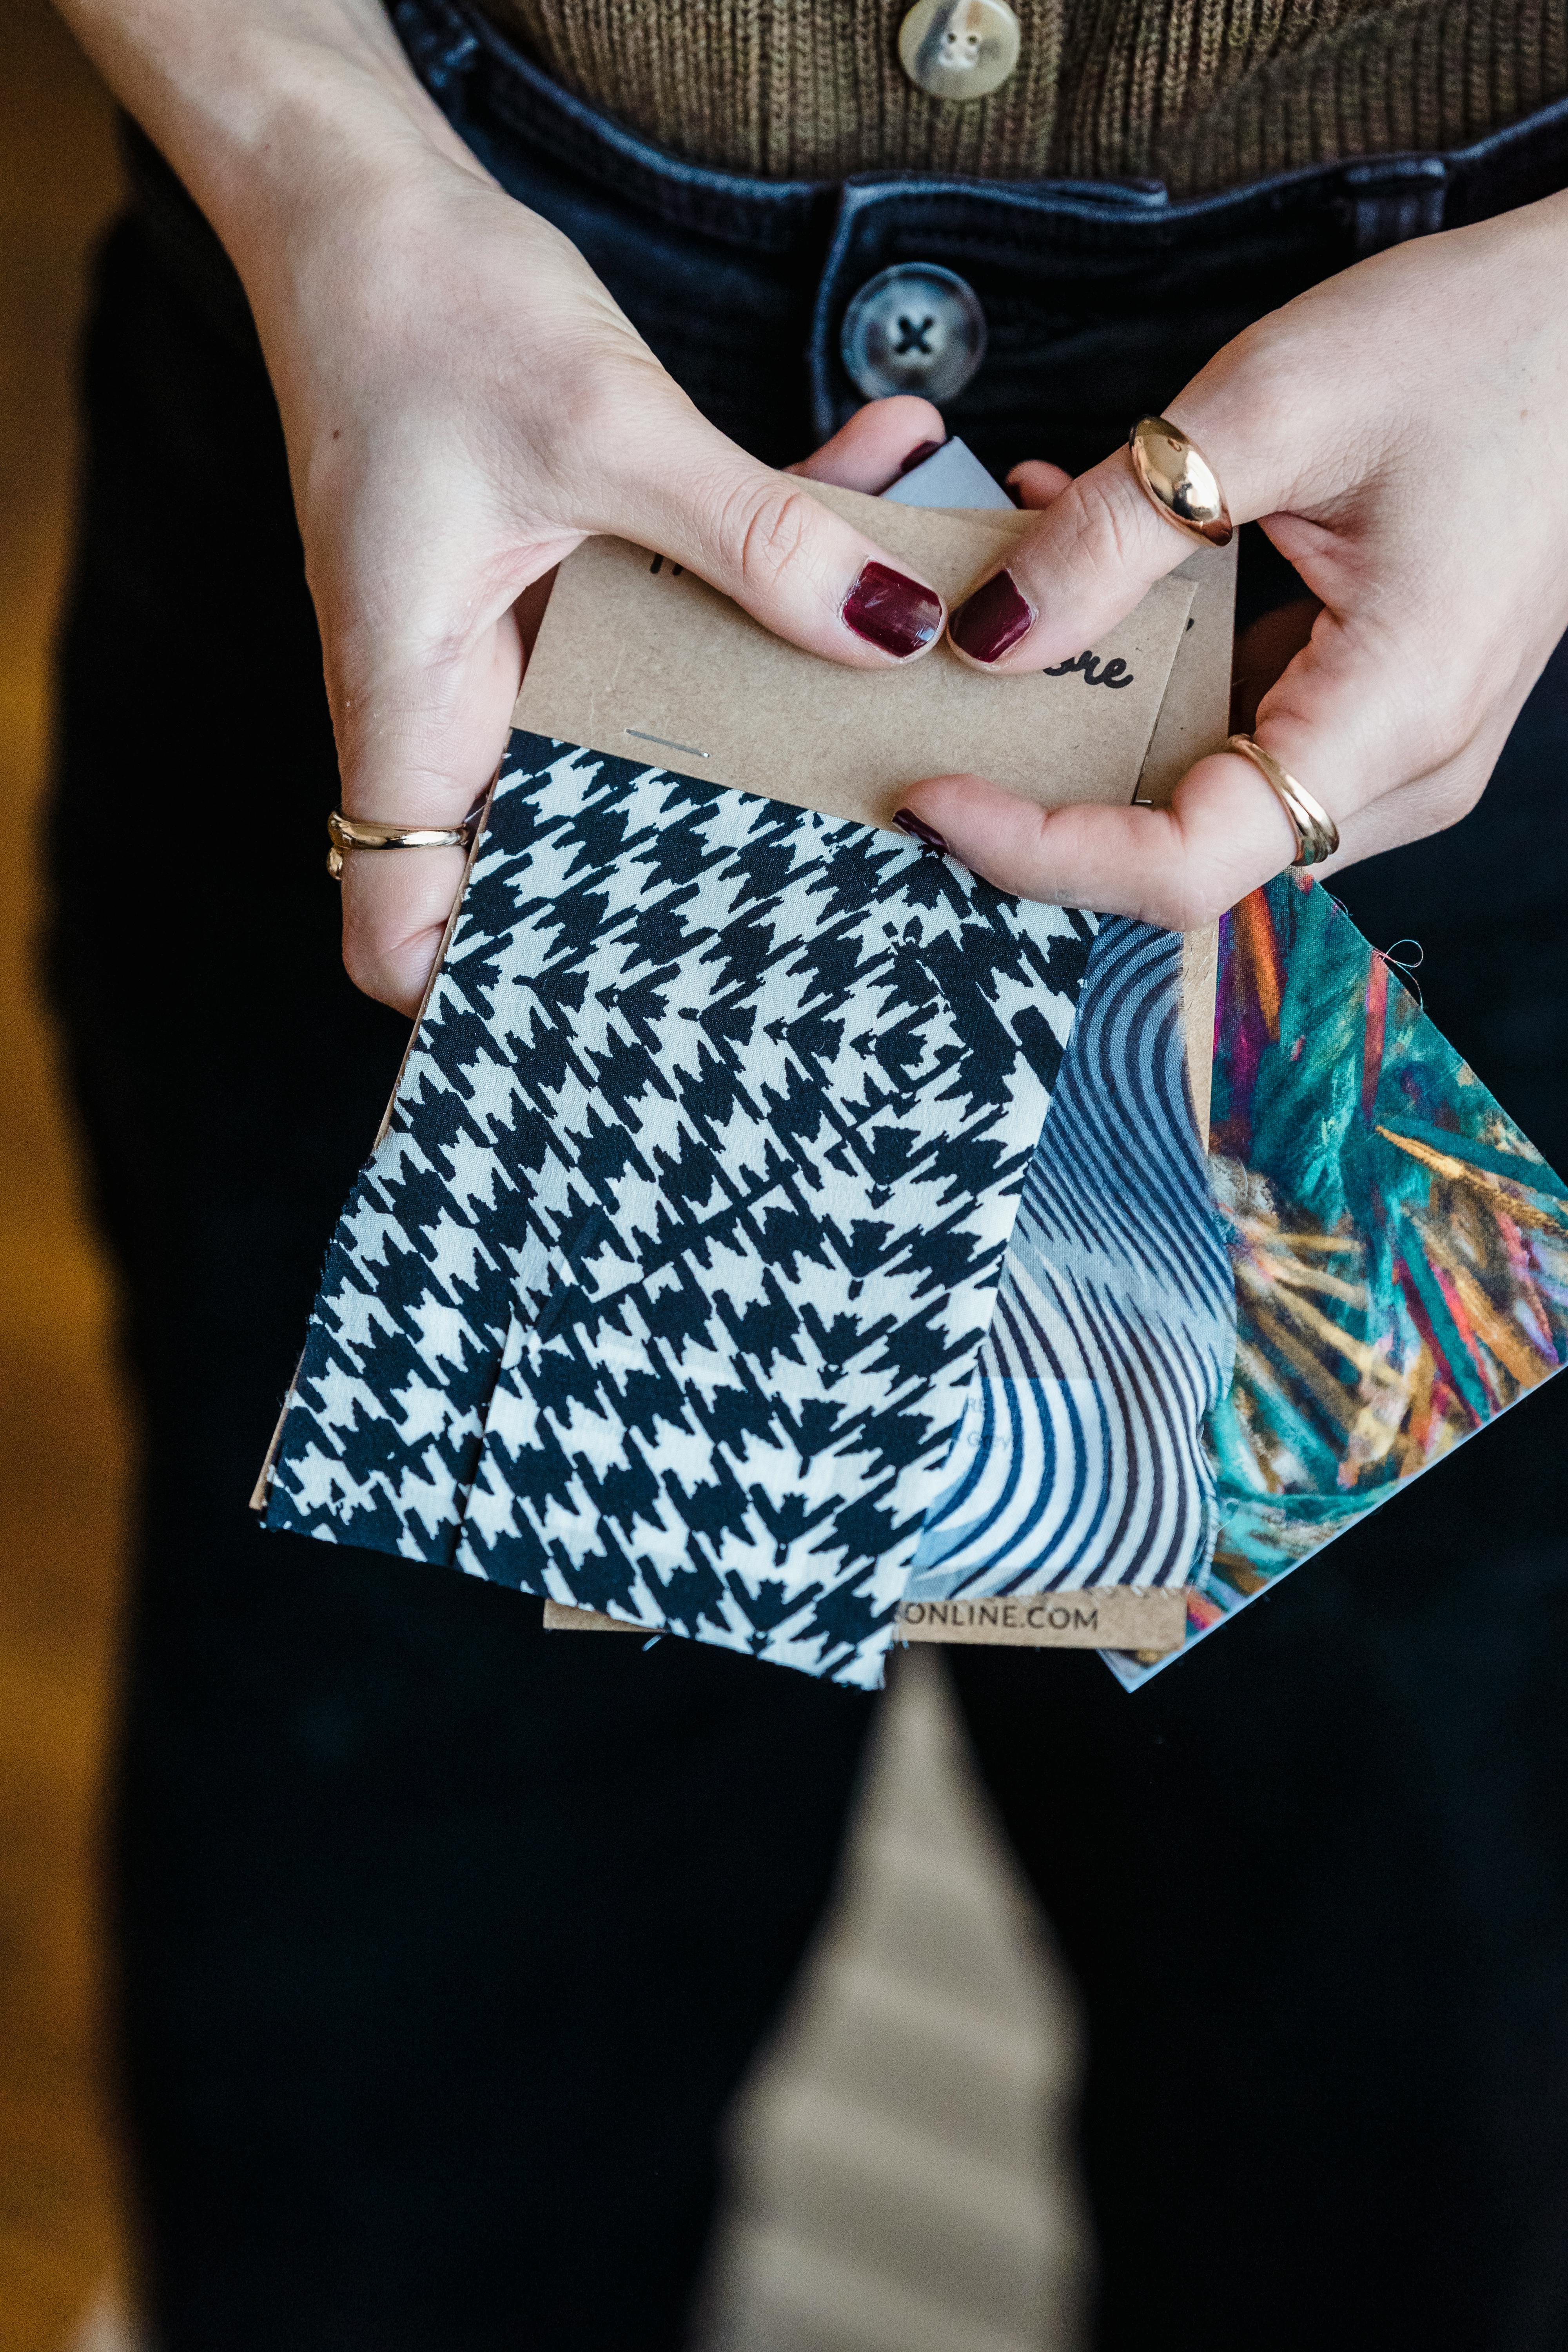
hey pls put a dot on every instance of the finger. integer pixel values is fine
(1384, 729)
(1263, 650)
(395, 908)
(881, 441)
(1381, 737)
(1224, 834)
(423, 757)
(422, 719)
(423, 600)
(1096, 550)
(1224, 831)
(760, 538)
(1037, 484)
(1099, 547)
(1178, 866)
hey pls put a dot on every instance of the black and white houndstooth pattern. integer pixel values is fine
(715, 1128)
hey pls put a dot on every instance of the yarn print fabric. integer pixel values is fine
(1399, 1248)
(715, 1125)
(1081, 1459)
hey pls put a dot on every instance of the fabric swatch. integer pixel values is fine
(1399, 1248)
(716, 1123)
(1081, 1459)
(677, 1268)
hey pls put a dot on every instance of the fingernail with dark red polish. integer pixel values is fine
(926, 834)
(918, 455)
(993, 618)
(892, 612)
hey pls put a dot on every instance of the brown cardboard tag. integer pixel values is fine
(560, 1619)
(1106, 1617)
(638, 658)
(1194, 712)
(1112, 1617)
(1195, 718)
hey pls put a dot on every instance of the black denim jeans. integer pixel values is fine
(443, 1943)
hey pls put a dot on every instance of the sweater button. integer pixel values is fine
(958, 48)
(916, 328)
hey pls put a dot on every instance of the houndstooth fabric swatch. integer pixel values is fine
(714, 1128)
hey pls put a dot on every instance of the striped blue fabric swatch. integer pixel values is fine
(1081, 1457)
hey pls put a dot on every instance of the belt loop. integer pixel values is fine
(440, 45)
(1391, 203)
(833, 399)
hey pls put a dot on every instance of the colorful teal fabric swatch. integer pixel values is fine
(1400, 1249)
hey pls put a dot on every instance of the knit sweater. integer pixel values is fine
(1203, 94)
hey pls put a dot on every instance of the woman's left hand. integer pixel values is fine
(1401, 432)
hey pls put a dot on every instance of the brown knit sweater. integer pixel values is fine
(1199, 93)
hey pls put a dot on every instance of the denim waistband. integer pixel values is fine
(1100, 299)
(471, 68)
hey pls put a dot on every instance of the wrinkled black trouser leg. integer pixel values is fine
(1313, 1880)
(443, 1942)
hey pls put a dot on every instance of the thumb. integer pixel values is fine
(760, 538)
(1097, 549)
(1339, 727)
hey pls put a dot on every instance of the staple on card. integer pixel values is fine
(667, 743)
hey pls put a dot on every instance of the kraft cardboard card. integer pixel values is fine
(638, 660)
(1195, 718)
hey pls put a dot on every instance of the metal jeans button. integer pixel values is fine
(958, 48)
(915, 328)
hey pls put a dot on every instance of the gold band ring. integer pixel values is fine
(372, 832)
(1178, 482)
(1317, 834)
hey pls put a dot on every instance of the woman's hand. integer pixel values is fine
(1402, 433)
(463, 403)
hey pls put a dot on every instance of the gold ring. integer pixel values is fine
(1317, 834)
(1178, 482)
(372, 832)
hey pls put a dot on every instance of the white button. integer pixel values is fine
(958, 48)
(913, 329)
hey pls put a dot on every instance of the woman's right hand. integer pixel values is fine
(463, 402)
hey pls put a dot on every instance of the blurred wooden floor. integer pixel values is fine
(63, 1439)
